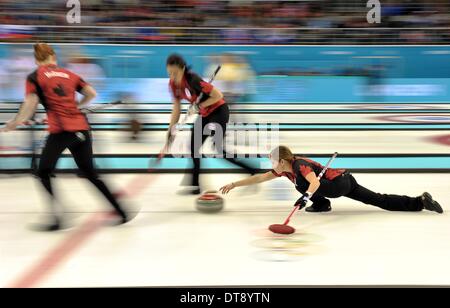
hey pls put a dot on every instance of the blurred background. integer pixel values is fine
(228, 22)
(312, 75)
(303, 65)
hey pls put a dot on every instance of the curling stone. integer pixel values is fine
(210, 202)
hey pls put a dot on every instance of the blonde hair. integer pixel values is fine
(42, 52)
(282, 152)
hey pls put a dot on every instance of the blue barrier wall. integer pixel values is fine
(410, 73)
(302, 90)
(147, 61)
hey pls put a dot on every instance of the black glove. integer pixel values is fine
(301, 202)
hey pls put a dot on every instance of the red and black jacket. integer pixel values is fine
(56, 88)
(302, 166)
(190, 88)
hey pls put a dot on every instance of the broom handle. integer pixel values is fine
(318, 177)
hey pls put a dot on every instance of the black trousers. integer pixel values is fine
(220, 117)
(80, 145)
(346, 185)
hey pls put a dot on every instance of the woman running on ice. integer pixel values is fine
(335, 183)
(54, 87)
(212, 109)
